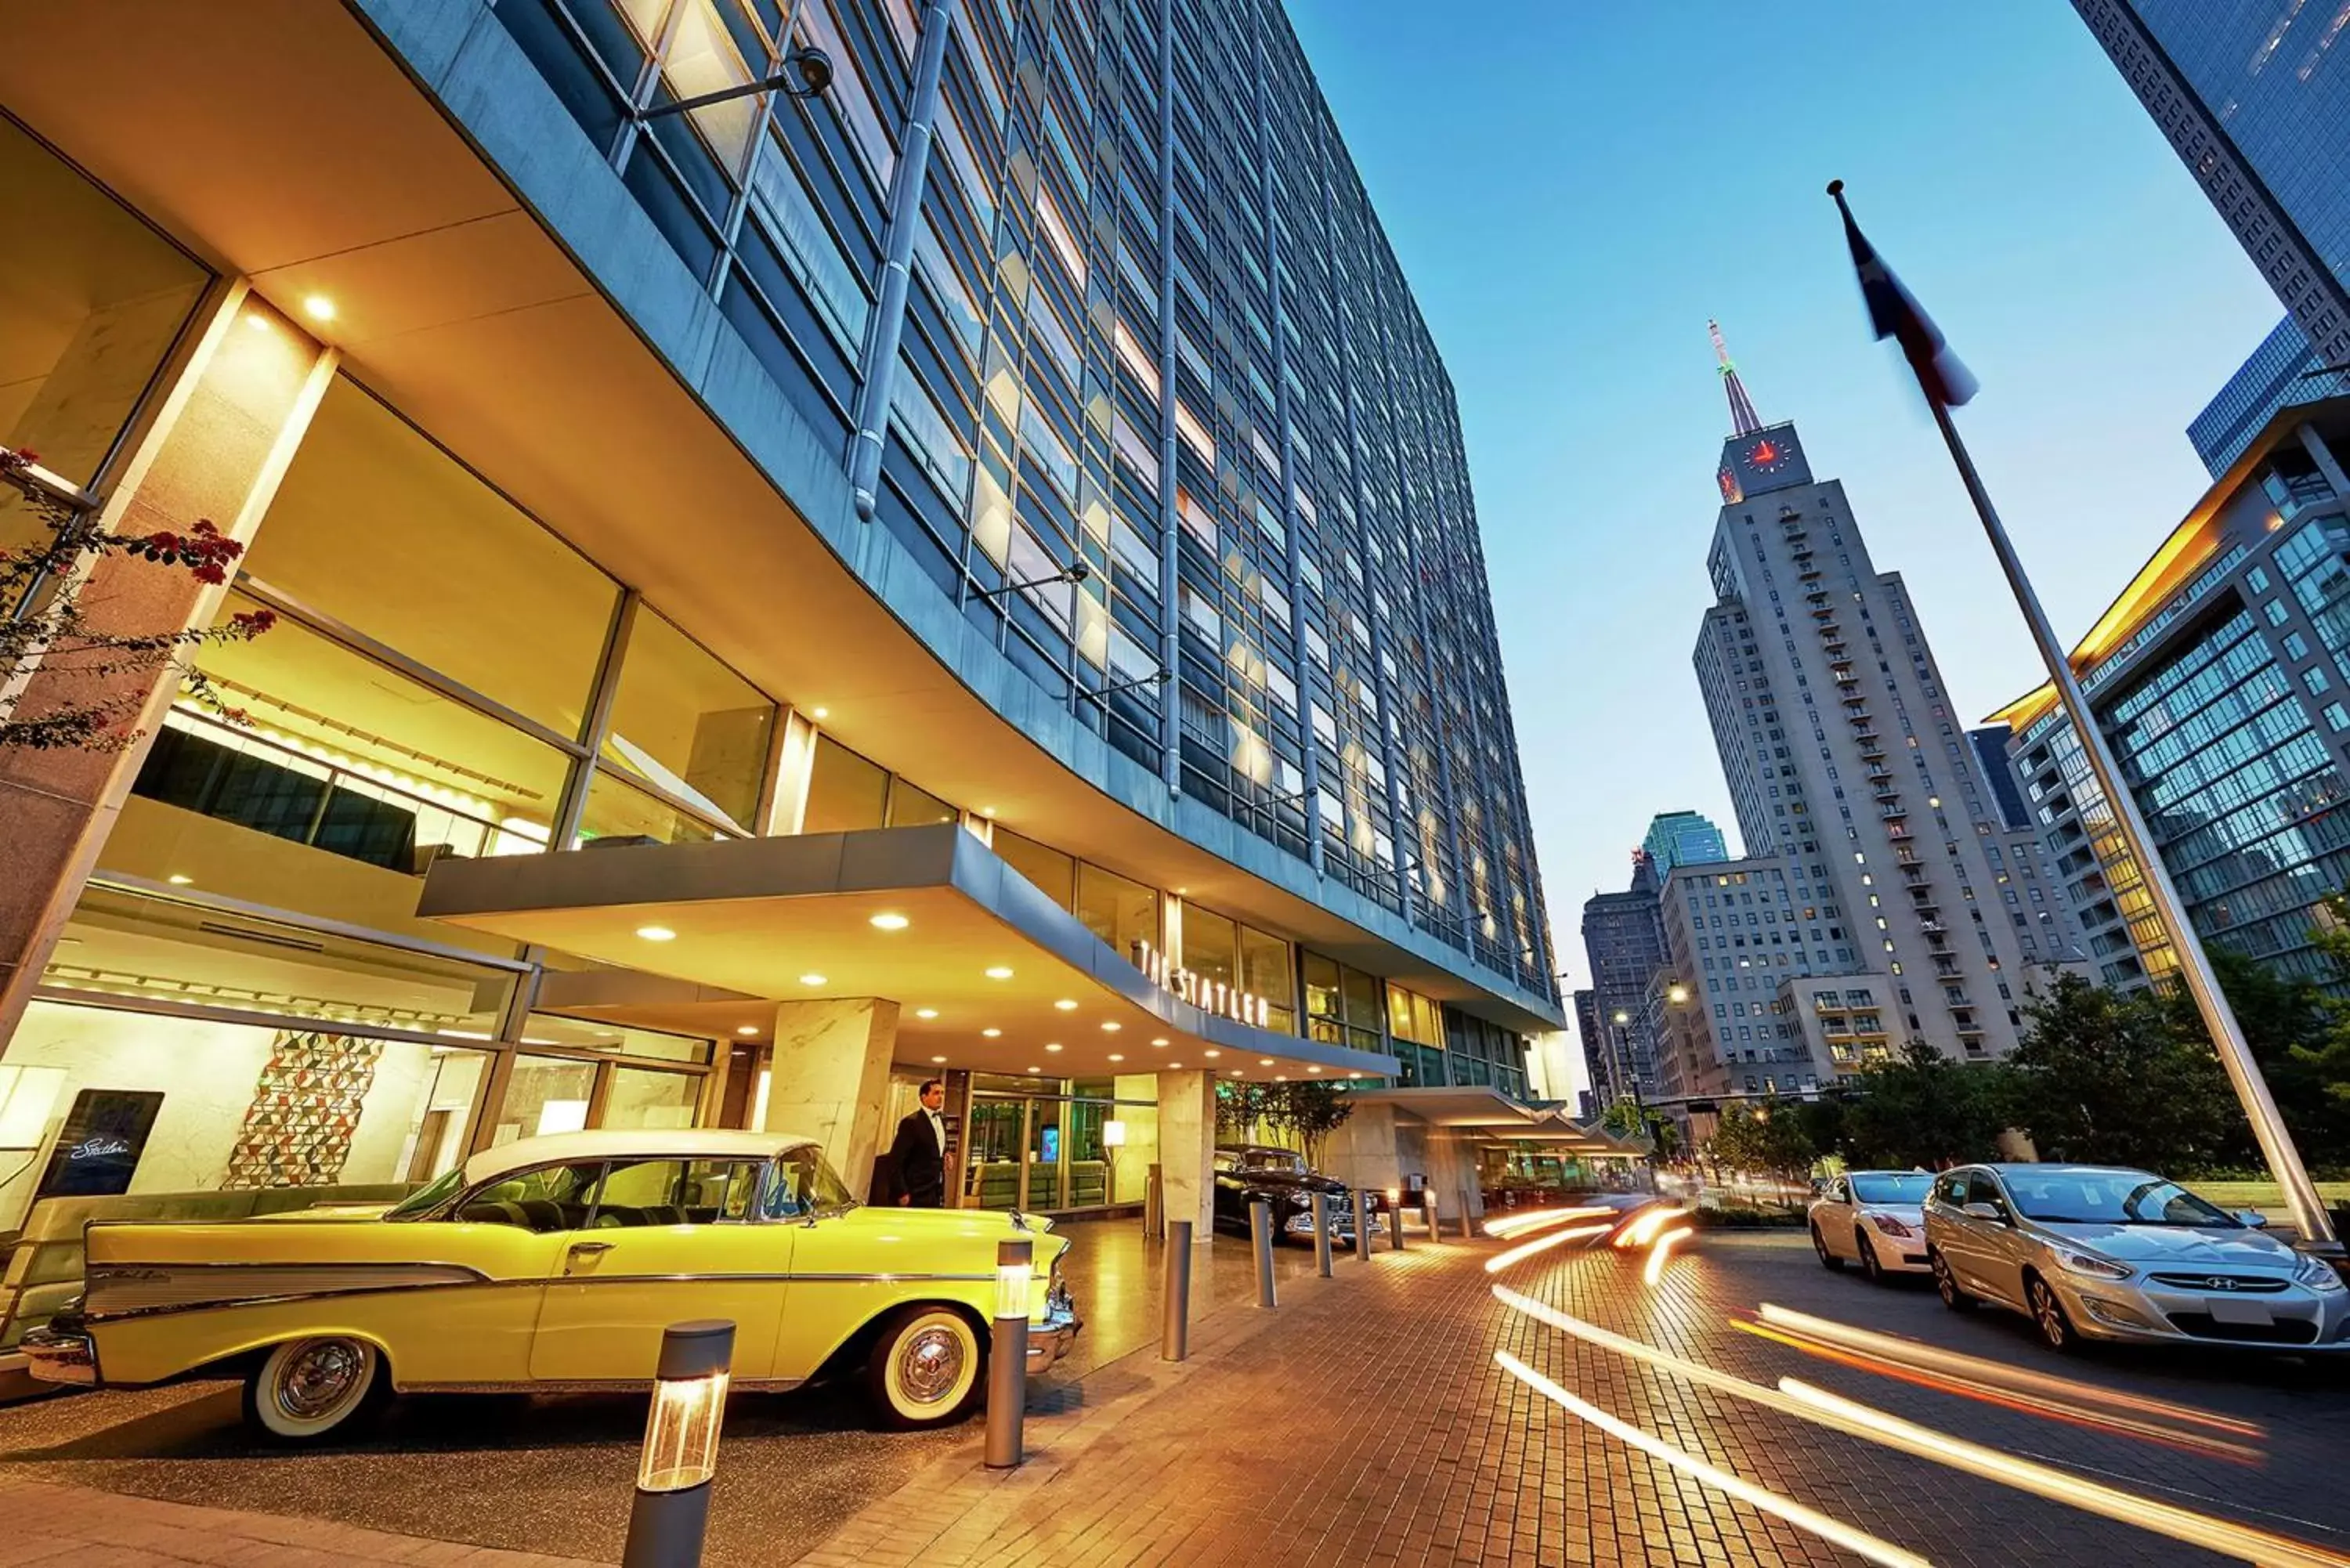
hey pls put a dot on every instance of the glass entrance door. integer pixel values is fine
(992, 1160)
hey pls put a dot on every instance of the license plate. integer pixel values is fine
(2227, 1309)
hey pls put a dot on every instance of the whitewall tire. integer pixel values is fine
(306, 1389)
(927, 1368)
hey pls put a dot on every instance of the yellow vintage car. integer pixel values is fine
(555, 1263)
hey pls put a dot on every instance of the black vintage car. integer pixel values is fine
(1246, 1172)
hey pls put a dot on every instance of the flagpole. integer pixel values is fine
(2276, 1143)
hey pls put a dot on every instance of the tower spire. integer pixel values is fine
(1743, 420)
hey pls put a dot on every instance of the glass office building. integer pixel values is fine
(2255, 98)
(1137, 722)
(2222, 676)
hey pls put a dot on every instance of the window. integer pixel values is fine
(547, 1199)
(845, 792)
(1123, 914)
(684, 721)
(1053, 873)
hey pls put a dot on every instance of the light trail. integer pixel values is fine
(2221, 1535)
(1661, 1253)
(1804, 1402)
(1539, 1219)
(1929, 1357)
(1525, 1249)
(1643, 1229)
(1857, 1541)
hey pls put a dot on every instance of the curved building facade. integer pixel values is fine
(971, 571)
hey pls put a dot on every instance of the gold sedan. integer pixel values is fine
(554, 1264)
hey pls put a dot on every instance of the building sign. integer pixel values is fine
(98, 1152)
(1207, 995)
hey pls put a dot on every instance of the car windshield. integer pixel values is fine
(1910, 1188)
(1275, 1159)
(428, 1197)
(799, 1183)
(2109, 1197)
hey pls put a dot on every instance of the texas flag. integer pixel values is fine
(1892, 313)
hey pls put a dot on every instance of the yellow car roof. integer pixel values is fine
(630, 1143)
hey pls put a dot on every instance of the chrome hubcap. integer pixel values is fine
(320, 1377)
(2051, 1319)
(929, 1363)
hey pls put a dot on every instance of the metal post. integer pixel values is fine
(1363, 1223)
(1322, 1234)
(1154, 1204)
(1468, 1225)
(1394, 1217)
(671, 1512)
(1427, 1211)
(1175, 1299)
(1261, 1240)
(1007, 1356)
(2276, 1143)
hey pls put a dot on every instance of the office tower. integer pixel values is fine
(1624, 942)
(1846, 762)
(2255, 98)
(1039, 582)
(2222, 678)
(1989, 742)
(1682, 838)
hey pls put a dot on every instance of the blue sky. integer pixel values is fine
(1575, 186)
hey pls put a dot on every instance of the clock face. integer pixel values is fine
(1729, 483)
(1767, 456)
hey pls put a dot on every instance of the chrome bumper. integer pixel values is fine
(1050, 1340)
(56, 1357)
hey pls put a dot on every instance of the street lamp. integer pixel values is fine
(1007, 1369)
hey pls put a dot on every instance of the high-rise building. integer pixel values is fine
(2220, 677)
(970, 572)
(1624, 942)
(1989, 742)
(1847, 764)
(2255, 98)
(1682, 838)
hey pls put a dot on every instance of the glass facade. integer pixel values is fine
(1155, 327)
(2282, 372)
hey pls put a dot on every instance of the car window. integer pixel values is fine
(1984, 1188)
(1837, 1192)
(648, 1192)
(1951, 1189)
(2113, 1197)
(799, 1183)
(1893, 1188)
(545, 1198)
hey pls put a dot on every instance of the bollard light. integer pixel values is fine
(670, 1514)
(1394, 1217)
(1007, 1369)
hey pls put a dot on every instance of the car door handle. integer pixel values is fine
(590, 1249)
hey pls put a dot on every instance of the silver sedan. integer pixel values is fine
(1872, 1217)
(2106, 1254)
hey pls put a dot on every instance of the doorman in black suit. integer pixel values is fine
(921, 1152)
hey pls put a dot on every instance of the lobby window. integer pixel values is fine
(95, 299)
(1053, 873)
(1342, 1003)
(686, 724)
(847, 794)
(1123, 914)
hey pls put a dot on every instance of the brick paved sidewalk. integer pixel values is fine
(75, 1527)
(1365, 1423)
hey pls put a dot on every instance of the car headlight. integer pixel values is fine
(2316, 1273)
(1890, 1225)
(2093, 1265)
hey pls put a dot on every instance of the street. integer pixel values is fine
(1365, 1420)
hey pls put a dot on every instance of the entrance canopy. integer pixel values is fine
(988, 973)
(1488, 1115)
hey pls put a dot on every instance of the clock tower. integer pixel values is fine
(1756, 458)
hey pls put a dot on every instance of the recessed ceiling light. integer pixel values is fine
(1001, 972)
(1281, 1077)
(1354, 1075)
(1115, 1057)
(1313, 1069)
(889, 920)
(1175, 1066)
(1264, 1060)
(991, 1034)
(1065, 1005)
(656, 933)
(938, 1058)
(1181, 891)
(1160, 1041)
(318, 307)
(746, 1029)
(1112, 1026)
(1211, 1055)
(987, 811)
(1055, 1046)
(811, 980)
(1236, 1072)
(177, 880)
(1035, 1069)
(819, 713)
(926, 1013)
(258, 322)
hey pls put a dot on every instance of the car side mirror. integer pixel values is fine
(2252, 1218)
(1984, 1212)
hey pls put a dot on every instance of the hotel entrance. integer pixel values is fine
(1057, 1146)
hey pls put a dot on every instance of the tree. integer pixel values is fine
(1627, 1118)
(1922, 1108)
(1765, 1137)
(1313, 1112)
(2125, 1078)
(43, 620)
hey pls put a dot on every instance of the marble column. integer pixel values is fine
(828, 1079)
(1362, 1151)
(1187, 1149)
(216, 449)
(1453, 1172)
